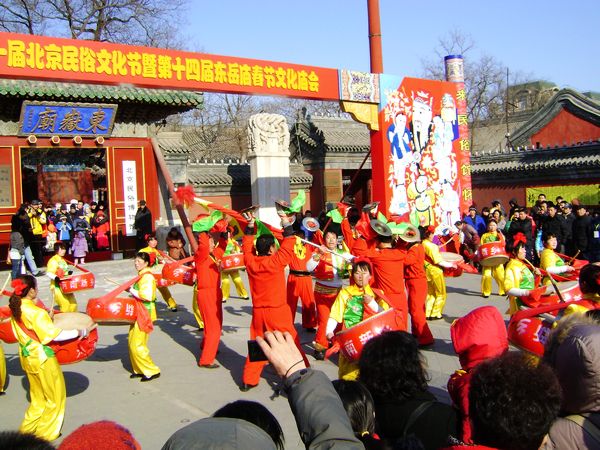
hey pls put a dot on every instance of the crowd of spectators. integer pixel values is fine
(576, 227)
(36, 227)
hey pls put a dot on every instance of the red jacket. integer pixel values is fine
(207, 266)
(414, 264)
(300, 264)
(388, 266)
(476, 337)
(266, 274)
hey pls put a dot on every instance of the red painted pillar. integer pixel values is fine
(378, 175)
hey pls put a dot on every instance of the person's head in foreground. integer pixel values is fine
(101, 435)
(513, 400)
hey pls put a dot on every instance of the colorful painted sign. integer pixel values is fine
(425, 160)
(50, 58)
(66, 119)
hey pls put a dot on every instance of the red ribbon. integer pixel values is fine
(19, 286)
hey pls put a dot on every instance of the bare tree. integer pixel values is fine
(138, 22)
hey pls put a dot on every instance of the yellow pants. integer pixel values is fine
(139, 353)
(497, 272)
(436, 292)
(166, 295)
(46, 413)
(2, 370)
(347, 370)
(196, 309)
(65, 302)
(237, 281)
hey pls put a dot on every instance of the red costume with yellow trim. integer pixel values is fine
(209, 296)
(388, 272)
(299, 284)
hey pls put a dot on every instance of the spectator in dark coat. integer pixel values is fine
(522, 224)
(476, 221)
(569, 218)
(557, 225)
(582, 232)
(142, 224)
(514, 205)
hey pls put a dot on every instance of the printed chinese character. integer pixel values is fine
(192, 69)
(313, 82)
(16, 54)
(220, 72)
(96, 121)
(134, 60)
(104, 58)
(363, 338)
(350, 348)
(165, 70)
(119, 63)
(148, 65)
(70, 58)
(46, 121)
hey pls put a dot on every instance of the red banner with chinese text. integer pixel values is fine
(50, 58)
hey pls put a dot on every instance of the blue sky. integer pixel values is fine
(551, 40)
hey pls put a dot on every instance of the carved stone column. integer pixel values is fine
(269, 158)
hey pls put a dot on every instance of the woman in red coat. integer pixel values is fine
(210, 298)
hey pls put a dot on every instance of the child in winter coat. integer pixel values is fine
(478, 336)
(50, 238)
(79, 248)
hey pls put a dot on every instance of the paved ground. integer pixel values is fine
(100, 388)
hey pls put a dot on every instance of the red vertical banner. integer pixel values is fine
(419, 164)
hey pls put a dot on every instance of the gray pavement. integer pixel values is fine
(100, 388)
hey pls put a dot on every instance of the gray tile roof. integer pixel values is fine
(331, 134)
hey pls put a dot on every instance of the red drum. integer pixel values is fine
(492, 254)
(6, 331)
(161, 282)
(112, 311)
(232, 262)
(569, 290)
(352, 340)
(453, 258)
(579, 263)
(529, 334)
(74, 350)
(78, 282)
(179, 273)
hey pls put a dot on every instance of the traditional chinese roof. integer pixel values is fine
(523, 164)
(577, 104)
(214, 177)
(321, 135)
(133, 102)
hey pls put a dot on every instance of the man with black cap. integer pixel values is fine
(142, 224)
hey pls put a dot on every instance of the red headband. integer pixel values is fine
(519, 237)
(19, 286)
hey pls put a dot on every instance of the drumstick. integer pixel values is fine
(5, 283)
(112, 281)
(347, 258)
(574, 257)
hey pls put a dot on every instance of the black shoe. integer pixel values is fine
(319, 355)
(40, 273)
(209, 366)
(246, 387)
(145, 378)
(135, 375)
(245, 298)
(173, 309)
(2, 392)
(485, 296)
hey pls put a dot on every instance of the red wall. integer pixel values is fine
(565, 128)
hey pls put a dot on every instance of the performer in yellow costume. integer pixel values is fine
(352, 305)
(436, 285)
(158, 259)
(549, 260)
(33, 329)
(519, 280)
(2, 371)
(497, 271)
(145, 291)
(232, 248)
(57, 269)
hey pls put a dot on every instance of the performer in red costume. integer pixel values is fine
(330, 267)
(416, 283)
(266, 276)
(299, 284)
(210, 296)
(388, 266)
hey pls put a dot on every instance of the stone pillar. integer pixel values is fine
(269, 158)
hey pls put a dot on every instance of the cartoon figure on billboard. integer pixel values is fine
(421, 120)
(445, 131)
(401, 152)
(424, 199)
(449, 203)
